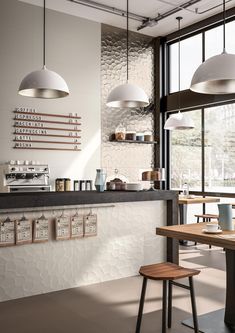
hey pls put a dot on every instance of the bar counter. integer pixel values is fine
(50, 199)
(125, 240)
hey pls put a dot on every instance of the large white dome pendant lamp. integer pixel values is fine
(216, 75)
(127, 95)
(43, 83)
(179, 121)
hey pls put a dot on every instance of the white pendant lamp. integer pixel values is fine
(179, 121)
(216, 75)
(127, 95)
(43, 83)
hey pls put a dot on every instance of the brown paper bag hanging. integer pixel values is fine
(41, 230)
(77, 229)
(7, 232)
(62, 227)
(23, 231)
(90, 225)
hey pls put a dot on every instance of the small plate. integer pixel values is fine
(211, 232)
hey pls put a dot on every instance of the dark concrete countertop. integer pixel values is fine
(48, 199)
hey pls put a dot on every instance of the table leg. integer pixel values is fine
(183, 209)
(229, 316)
(221, 321)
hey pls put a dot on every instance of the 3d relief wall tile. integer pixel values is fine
(127, 158)
(126, 240)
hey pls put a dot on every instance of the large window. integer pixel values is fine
(189, 61)
(205, 157)
(196, 49)
(186, 155)
(220, 148)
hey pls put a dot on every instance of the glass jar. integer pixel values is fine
(67, 184)
(59, 185)
(120, 133)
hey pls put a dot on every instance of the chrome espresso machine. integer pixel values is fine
(24, 176)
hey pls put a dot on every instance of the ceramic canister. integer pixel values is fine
(225, 216)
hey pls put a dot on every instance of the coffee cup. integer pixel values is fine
(212, 227)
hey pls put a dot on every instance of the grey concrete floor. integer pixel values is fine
(111, 307)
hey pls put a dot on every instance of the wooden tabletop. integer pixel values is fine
(193, 232)
(196, 200)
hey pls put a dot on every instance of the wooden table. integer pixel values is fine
(184, 202)
(221, 321)
(183, 208)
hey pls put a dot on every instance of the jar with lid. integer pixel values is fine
(120, 133)
(67, 184)
(148, 136)
(59, 185)
(131, 135)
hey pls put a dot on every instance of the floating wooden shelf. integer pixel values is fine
(46, 121)
(49, 128)
(47, 114)
(43, 148)
(50, 135)
(45, 141)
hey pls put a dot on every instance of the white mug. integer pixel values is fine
(212, 227)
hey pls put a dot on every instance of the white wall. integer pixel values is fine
(126, 240)
(73, 51)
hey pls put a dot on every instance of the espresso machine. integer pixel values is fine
(24, 176)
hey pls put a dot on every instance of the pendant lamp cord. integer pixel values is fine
(179, 18)
(127, 40)
(44, 33)
(224, 26)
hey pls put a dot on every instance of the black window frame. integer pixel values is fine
(191, 101)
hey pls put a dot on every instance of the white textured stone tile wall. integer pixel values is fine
(126, 240)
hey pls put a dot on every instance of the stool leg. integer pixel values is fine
(164, 305)
(209, 220)
(169, 303)
(197, 222)
(141, 305)
(194, 310)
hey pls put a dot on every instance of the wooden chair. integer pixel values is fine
(167, 272)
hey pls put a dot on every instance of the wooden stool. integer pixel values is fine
(206, 217)
(167, 272)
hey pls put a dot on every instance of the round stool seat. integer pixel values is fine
(207, 216)
(166, 271)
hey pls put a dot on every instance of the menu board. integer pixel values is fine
(40, 230)
(47, 131)
(77, 226)
(23, 231)
(7, 233)
(62, 227)
(90, 225)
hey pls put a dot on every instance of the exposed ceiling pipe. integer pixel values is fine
(173, 11)
(146, 21)
(109, 9)
(195, 11)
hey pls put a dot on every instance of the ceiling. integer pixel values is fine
(144, 8)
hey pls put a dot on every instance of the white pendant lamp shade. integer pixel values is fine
(215, 76)
(179, 121)
(43, 83)
(127, 96)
